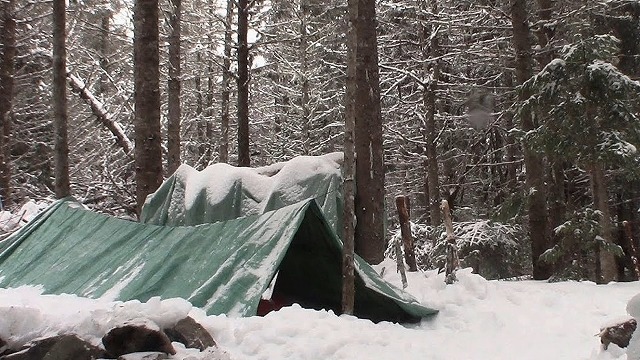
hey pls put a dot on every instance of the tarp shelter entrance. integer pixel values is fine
(222, 267)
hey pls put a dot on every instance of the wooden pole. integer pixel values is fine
(452, 261)
(400, 263)
(402, 205)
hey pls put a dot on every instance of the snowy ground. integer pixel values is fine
(478, 319)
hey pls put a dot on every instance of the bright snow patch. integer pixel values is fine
(478, 319)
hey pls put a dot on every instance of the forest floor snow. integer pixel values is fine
(478, 319)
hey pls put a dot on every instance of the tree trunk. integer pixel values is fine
(452, 261)
(533, 162)
(148, 146)
(365, 92)
(174, 109)
(349, 169)
(103, 50)
(431, 49)
(61, 147)
(608, 267)
(223, 152)
(8, 42)
(555, 172)
(402, 205)
(243, 84)
(304, 69)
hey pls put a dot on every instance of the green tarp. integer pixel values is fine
(222, 267)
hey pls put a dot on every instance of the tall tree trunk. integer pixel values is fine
(431, 49)
(304, 69)
(243, 84)
(8, 42)
(61, 147)
(148, 147)
(364, 92)
(555, 172)
(174, 109)
(223, 152)
(349, 171)
(533, 162)
(201, 122)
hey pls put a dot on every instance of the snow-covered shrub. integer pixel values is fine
(493, 249)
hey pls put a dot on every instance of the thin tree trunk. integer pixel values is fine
(633, 251)
(304, 68)
(223, 152)
(103, 86)
(608, 267)
(431, 49)
(148, 147)
(174, 109)
(244, 157)
(556, 200)
(533, 162)
(8, 42)
(369, 238)
(61, 147)
(452, 262)
(402, 205)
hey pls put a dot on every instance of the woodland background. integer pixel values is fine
(546, 171)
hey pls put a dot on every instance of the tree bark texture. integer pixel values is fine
(304, 69)
(431, 49)
(243, 84)
(223, 151)
(61, 142)
(555, 172)
(148, 141)
(402, 205)
(103, 49)
(8, 42)
(533, 162)
(349, 172)
(174, 84)
(369, 202)
(608, 266)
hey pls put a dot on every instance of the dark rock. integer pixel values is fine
(191, 334)
(619, 334)
(67, 346)
(144, 356)
(136, 338)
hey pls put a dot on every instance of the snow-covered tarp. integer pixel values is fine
(223, 192)
(223, 268)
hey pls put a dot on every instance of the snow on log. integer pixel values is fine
(101, 114)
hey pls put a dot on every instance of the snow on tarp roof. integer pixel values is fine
(222, 192)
